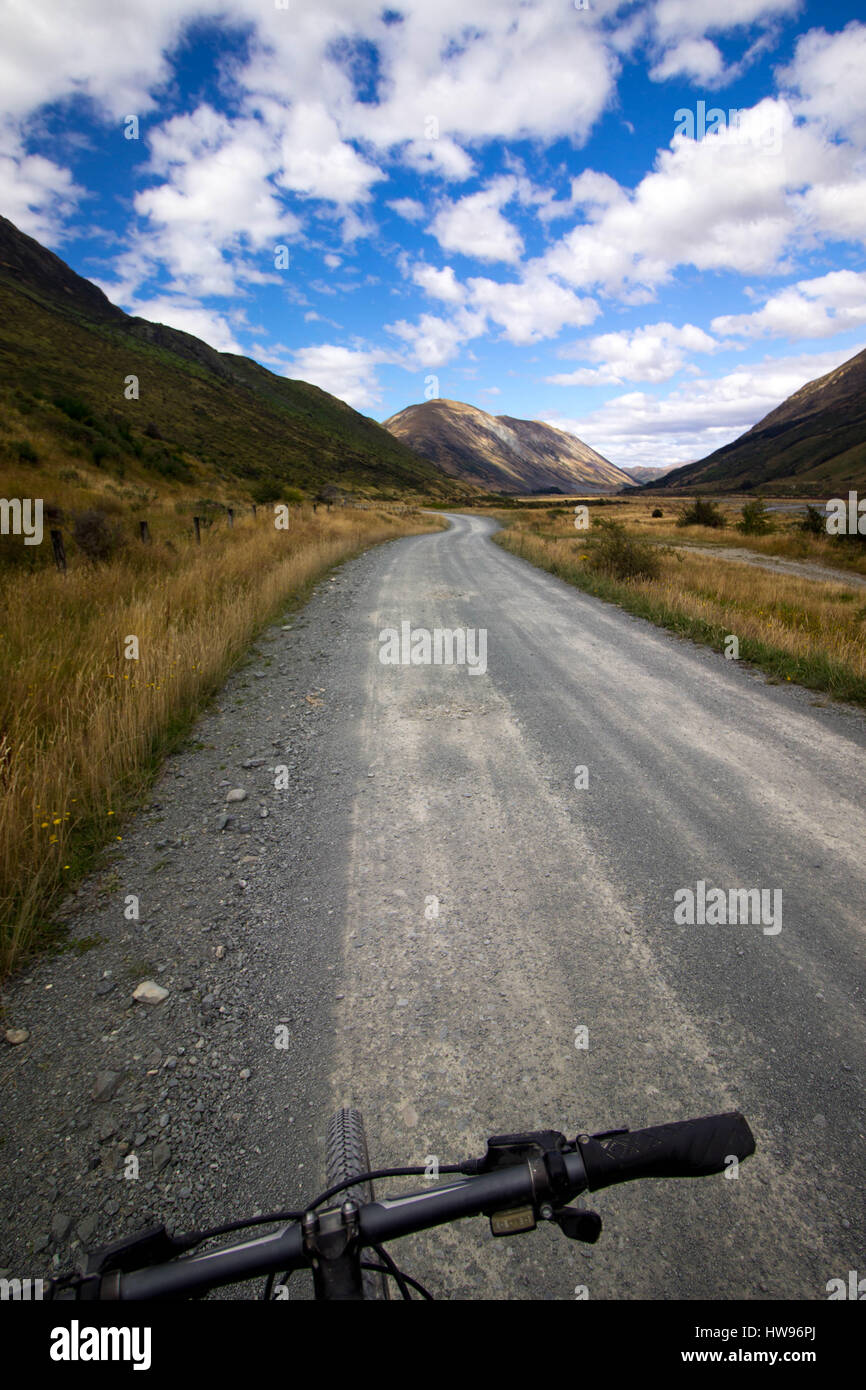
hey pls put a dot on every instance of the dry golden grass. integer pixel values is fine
(785, 540)
(802, 630)
(83, 726)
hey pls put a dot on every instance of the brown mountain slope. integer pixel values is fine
(648, 475)
(501, 453)
(813, 444)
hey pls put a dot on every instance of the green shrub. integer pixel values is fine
(611, 550)
(814, 523)
(266, 490)
(75, 408)
(702, 512)
(100, 451)
(657, 511)
(96, 536)
(756, 519)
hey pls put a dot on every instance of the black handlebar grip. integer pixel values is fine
(687, 1149)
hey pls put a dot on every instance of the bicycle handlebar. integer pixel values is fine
(686, 1149)
(690, 1148)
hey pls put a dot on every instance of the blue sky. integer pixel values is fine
(512, 204)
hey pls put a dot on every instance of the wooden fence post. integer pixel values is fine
(145, 533)
(231, 516)
(59, 551)
(196, 521)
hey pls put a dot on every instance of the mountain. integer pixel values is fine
(813, 444)
(501, 453)
(202, 416)
(647, 475)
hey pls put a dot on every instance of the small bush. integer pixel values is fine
(702, 512)
(26, 452)
(611, 550)
(266, 490)
(814, 523)
(96, 536)
(101, 452)
(75, 408)
(756, 519)
(657, 511)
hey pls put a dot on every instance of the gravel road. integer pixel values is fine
(799, 569)
(426, 914)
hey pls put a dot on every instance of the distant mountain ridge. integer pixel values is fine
(813, 444)
(199, 412)
(502, 453)
(648, 475)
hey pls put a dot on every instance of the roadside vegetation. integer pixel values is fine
(83, 726)
(795, 629)
(790, 535)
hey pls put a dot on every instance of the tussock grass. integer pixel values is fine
(808, 632)
(82, 727)
(556, 519)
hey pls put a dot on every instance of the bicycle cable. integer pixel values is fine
(375, 1174)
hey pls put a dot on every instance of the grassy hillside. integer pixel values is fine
(812, 445)
(214, 421)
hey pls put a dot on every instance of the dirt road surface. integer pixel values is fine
(432, 909)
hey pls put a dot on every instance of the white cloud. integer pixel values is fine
(679, 30)
(728, 201)
(349, 373)
(434, 341)
(819, 308)
(590, 190)
(673, 18)
(315, 162)
(655, 352)
(639, 429)
(474, 225)
(216, 197)
(332, 261)
(189, 317)
(532, 309)
(443, 157)
(492, 71)
(439, 284)
(115, 55)
(698, 59)
(35, 193)
(408, 208)
(826, 79)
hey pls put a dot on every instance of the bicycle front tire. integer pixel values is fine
(347, 1156)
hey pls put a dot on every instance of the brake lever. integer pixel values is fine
(578, 1223)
